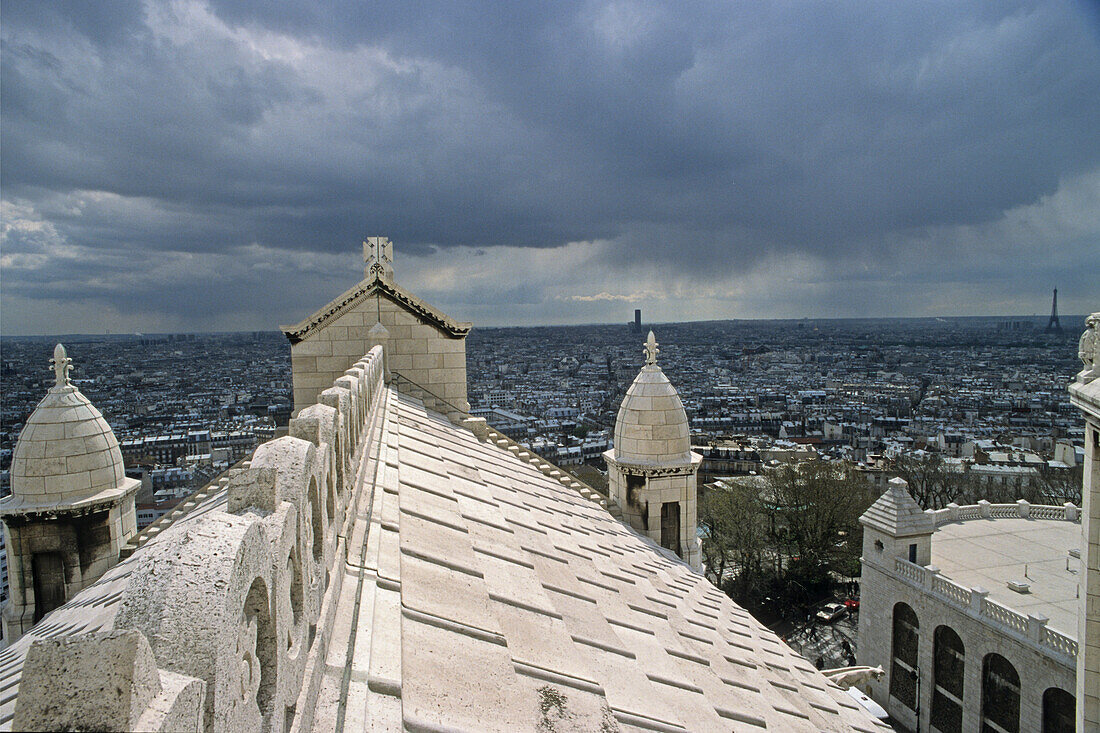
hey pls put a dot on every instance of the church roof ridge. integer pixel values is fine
(581, 601)
(331, 311)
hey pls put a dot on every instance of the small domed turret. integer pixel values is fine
(651, 469)
(71, 508)
(67, 450)
(652, 426)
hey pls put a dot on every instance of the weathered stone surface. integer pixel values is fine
(104, 681)
(201, 595)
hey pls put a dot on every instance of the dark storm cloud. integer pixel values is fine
(706, 138)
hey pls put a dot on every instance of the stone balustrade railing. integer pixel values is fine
(976, 602)
(910, 571)
(1060, 642)
(224, 624)
(1021, 509)
(951, 590)
(1003, 615)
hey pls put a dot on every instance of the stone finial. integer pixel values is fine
(62, 365)
(898, 485)
(378, 256)
(1088, 349)
(651, 350)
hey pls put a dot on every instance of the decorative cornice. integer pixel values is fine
(1086, 398)
(17, 510)
(651, 469)
(365, 288)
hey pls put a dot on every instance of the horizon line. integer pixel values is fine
(625, 324)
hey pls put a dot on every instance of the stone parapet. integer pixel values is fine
(1021, 509)
(1029, 630)
(105, 681)
(225, 618)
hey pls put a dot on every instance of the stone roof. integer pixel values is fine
(67, 452)
(897, 514)
(377, 284)
(652, 426)
(482, 594)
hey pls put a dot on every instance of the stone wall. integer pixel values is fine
(641, 507)
(1088, 618)
(1085, 394)
(226, 617)
(87, 544)
(1039, 664)
(417, 351)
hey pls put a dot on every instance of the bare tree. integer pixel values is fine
(932, 482)
(818, 504)
(732, 520)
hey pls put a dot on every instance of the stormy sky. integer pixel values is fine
(214, 165)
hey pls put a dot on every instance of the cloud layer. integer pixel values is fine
(214, 165)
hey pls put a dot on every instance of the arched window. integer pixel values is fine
(903, 671)
(948, 658)
(1000, 696)
(1059, 710)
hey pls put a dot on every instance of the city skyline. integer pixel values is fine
(213, 166)
(1025, 324)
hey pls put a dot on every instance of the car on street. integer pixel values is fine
(831, 612)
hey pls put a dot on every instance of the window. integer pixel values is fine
(1059, 709)
(635, 484)
(48, 571)
(949, 657)
(903, 671)
(670, 526)
(913, 553)
(1000, 696)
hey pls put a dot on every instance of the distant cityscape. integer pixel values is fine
(987, 394)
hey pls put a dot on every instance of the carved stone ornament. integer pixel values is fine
(683, 469)
(1088, 349)
(378, 256)
(247, 659)
(62, 365)
(651, 350)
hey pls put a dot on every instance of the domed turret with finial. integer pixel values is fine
(651, 468)
(71, 506)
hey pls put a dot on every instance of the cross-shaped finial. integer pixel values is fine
(651, 350)
(61, 365)
(378, 256)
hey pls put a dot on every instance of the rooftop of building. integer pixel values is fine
(991, 552)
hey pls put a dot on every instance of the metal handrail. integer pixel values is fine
(395, 376)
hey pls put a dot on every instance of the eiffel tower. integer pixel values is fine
(1053, 326)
